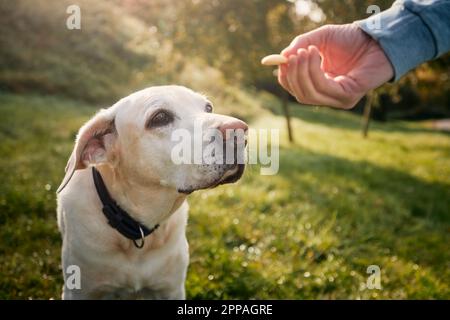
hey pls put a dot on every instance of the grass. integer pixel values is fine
(339, 204)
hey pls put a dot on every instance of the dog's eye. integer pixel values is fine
(160, 118)
(209, 108)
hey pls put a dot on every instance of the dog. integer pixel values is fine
(121, 207)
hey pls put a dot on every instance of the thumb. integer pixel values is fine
(305, 40)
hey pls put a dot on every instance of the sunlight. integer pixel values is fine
(307, 8)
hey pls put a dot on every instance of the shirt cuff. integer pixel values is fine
(405, 39)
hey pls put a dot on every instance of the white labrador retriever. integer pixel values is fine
(144, 193)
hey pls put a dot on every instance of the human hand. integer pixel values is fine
(335, 65)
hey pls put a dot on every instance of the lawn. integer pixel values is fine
(338, 204)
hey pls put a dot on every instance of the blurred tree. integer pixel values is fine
(130, 42)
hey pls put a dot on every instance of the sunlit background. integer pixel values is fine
(340, 203)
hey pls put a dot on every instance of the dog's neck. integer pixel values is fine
(150, 204)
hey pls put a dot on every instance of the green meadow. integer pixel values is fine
(338, 204)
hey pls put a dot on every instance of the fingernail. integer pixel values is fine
(302, 51)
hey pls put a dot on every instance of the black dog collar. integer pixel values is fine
(118, 218)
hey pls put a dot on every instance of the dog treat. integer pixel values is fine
(274, 60)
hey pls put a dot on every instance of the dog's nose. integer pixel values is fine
(228, 127)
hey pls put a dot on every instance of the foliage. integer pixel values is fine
(129, 44)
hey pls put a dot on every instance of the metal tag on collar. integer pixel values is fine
(141, 245)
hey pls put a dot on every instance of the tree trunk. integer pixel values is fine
(367, 112)
(288, 117)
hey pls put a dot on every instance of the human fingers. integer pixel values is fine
(282, 77)
(326, 89)
(292, 78)
(301, 83)
(315, 37)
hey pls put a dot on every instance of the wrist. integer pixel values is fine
(405, 41)
(386, 68)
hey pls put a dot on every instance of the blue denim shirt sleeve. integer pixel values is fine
(411, 32)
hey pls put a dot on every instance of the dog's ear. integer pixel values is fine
(94, 139)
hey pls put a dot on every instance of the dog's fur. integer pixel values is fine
(135, 163)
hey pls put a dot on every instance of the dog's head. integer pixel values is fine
(154, 136)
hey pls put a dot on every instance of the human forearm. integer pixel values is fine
(411, 32)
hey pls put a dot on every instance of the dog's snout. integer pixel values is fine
(228, 127)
